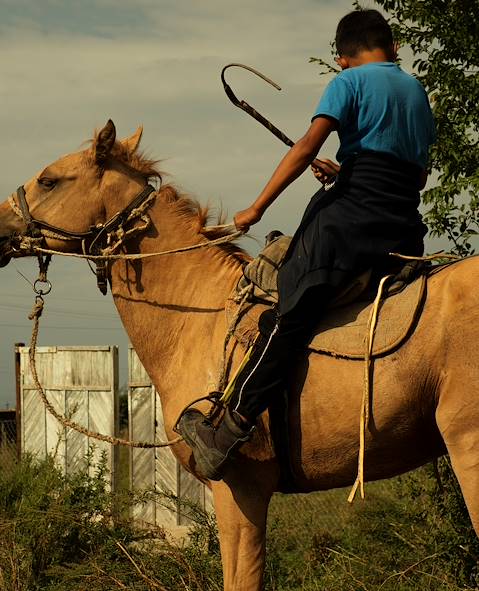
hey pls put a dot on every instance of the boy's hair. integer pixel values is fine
(362, 29)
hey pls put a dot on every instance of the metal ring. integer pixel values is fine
(42, 291)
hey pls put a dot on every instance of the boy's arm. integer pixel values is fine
(298, 158)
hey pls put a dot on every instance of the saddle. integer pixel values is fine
(342, 329)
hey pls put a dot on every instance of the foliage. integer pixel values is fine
(440, 506)
(444, 38)
(60, 532)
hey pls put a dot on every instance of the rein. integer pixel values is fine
(134, 257)
(63, 420)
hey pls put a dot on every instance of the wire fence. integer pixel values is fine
(325, 510)
(8, 444)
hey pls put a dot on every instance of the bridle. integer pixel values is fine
(94, 241)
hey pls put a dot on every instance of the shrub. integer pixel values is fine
(69, 532)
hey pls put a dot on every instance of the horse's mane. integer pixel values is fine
(187, 207)
(190, 209)
(137, 160)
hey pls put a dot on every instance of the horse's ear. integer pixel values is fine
(104, 142)
(131, 143)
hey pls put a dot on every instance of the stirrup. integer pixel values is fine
(212, 457)
(214, 397)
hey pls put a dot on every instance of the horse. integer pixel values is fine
(426, 391)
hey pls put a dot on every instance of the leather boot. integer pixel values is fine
(213, 447)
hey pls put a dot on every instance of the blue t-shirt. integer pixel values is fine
(379, 108)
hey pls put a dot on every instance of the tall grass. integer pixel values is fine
(412, 534)
(70, 533)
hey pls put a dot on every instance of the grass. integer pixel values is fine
(405, 536)
(69, 532)
(59, 533)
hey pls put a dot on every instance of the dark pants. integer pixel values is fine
(371, 211)
(275, 352)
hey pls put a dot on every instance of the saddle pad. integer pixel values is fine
(342, 332)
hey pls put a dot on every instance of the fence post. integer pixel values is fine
(18, 411)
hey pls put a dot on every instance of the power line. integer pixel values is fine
(24, 308)
(66, 299)
(46, 326)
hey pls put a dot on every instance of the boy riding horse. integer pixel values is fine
(385, 127)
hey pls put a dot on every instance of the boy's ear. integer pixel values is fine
(343, 62)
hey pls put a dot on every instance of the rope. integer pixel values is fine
(366, 400)
(111, 257)
(221, 382)
(16, 210)
(46, 233)
(432, 257)
(66, 422)
(36, 313)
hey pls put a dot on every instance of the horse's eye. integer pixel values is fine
(47, 183)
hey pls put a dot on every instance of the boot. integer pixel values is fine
(213, 447)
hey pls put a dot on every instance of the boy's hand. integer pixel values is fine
(246, 218)
(324, 170)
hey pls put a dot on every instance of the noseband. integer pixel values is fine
(95, 240)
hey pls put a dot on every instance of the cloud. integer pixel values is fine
(59, 85)
(67, 66)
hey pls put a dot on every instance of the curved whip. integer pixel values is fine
(247, 108)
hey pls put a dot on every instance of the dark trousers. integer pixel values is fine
(281, 337)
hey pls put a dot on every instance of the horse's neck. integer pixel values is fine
(172, 307)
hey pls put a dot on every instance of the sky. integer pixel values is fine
(67, 66)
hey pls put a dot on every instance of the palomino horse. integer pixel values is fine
(426, 393)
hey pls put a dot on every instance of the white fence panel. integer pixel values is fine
(82, 384)
(156, 469)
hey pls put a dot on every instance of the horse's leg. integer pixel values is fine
(241, 506)
(458, 421)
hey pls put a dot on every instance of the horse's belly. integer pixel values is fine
(325, 411)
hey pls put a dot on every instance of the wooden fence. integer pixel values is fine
(156, 468)
(82, 384)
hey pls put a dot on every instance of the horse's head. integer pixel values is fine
(67, 202)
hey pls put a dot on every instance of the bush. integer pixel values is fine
(60, 533)
(69, 532)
